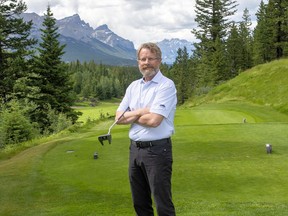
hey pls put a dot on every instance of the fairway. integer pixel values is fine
(220, 168)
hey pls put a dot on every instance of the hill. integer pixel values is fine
(265, 84)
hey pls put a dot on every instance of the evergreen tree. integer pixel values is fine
(277, 20)
(182, 76)
(246, 41)
(234, 47)
(211, 17)
(15, 46)
(219, 62)
(262, 44)
(239, 46)
(270, 35)
(52, 75)
(100, 82)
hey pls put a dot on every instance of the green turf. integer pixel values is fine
(94, 113)
(265, 84)
(220, 168)
(220, 163)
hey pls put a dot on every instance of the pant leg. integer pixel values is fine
(158, 164)
(140, 189)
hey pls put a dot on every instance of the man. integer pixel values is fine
(152, 104)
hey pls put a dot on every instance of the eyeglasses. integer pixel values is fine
(149, 59)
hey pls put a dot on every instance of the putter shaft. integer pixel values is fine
(109, 131)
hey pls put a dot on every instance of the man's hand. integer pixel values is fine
(140, 116)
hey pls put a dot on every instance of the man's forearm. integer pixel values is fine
(131, 116)
(150, 120)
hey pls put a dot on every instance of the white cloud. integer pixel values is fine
(136, 20)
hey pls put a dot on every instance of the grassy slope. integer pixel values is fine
(265, 84)
(220, 165)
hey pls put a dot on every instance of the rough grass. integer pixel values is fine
(266, 85)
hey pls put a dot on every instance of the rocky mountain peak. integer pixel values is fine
(103, 28)
(170, 47)
(100, 44)
(74, 27)
(104, 34)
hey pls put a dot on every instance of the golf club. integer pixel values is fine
(108, 135)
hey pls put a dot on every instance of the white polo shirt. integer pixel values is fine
(159, 95)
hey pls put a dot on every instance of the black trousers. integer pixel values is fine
(150, 171)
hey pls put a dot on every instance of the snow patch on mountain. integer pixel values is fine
(102, 39)
(170, 47)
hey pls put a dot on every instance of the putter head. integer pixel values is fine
(105, 137)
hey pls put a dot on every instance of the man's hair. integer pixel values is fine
(152, 47)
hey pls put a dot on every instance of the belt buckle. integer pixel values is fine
(144, 144)
(138, 144)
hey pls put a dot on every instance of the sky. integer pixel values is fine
(136, 20)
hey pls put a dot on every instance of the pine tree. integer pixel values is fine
(270, 35)
(219, 62)
(15, 46)
(182, 75)
(52, 77)
(262, 44)
(211, 17)
(234, 47)
(246, 41)
(239, 46)
(277, 20)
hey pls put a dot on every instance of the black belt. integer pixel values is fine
(145, 144)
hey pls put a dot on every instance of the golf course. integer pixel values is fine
(220, 164)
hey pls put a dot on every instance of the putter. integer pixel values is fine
(108, 136)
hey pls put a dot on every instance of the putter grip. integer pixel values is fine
(123, 113)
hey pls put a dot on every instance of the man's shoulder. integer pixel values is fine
(165, 80)
(134, 83)
(162, 77)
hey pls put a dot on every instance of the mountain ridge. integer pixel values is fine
(100, 44)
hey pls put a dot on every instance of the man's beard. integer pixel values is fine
(148, 71)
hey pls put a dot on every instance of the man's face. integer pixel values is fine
(148, 63)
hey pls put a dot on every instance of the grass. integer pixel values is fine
(220, 163)
(220, 168)
(266, 85)
(105, 109)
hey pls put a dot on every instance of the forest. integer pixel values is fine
(38, 90)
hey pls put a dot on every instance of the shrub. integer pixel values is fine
(58, 122)
(15, 125)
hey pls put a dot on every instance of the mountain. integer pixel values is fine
(82, 43)
(101, 45)
(169, 49)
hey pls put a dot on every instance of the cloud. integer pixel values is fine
(136, 20)
(139, 5)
